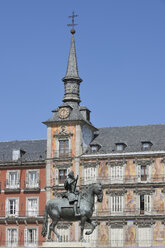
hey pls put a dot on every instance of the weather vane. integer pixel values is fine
(73, 24)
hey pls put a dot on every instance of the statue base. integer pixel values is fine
(67, 245)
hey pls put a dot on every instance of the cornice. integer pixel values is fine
(116, 192)
(117, 162)
(143, 161)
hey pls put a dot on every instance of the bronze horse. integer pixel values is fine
(60, 209)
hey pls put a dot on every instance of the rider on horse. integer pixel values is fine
(70, 185)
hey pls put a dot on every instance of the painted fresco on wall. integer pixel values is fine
(103, 234)
(158, 233)
(72, 232)
(130, 202)
(130, 171)
(103, 171)
(130, 235)
(103, 207)
(158, 202)
(158, 170)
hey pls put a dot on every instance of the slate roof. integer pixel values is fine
(75, 115)
(34, 149)
(131, 136)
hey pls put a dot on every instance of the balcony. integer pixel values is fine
(12, 186)
(67, 153)
(32, 186)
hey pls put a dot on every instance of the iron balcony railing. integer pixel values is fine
(31, 185)
(11, 185)
(62, 153)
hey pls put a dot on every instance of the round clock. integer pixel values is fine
(63, 113)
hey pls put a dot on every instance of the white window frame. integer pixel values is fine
(9, 185)
(117, 173)
(32, 184)
(26, 242)
(116, 204)
(116, 237)
(57, 174)
(33, 214)
(64, 232)
(8, 242)
(93, 237)
(145, 232)
(8, 207)
(90, 174)
(149, 173)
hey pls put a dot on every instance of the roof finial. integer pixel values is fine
(73, 24)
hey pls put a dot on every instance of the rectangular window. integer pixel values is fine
(12, 180)
(116, 174)
(62, 175)
(116, 237)
(31, 237)
(116, 204)
(89, 175)
(93, 237)
(145, 204)
(64, 147)
(12, 207)
(64, 233)
(144, 237)
(12, 237)
(143, 173)
(32, 179)
(32, 207)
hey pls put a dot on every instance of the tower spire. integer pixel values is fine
(72, 80)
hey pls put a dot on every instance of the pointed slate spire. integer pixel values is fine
(72, 80)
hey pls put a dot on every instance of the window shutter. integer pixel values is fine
(17, 207)
(25, 237)
(15, 236)
(27, 178)
(38, 177)
(149, 172)
(56, 175)
(7, 207)
(138, 173)
(147, 204)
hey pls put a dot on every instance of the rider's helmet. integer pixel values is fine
(71, 174)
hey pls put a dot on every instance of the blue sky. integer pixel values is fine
(121, 58)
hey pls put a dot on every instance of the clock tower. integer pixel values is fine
(69, 131)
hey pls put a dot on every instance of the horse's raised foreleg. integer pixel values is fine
(93, 224)
(83, 220)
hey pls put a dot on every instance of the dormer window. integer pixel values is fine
(120, 147)
(17, 154)
(146, 145)
(95, 148)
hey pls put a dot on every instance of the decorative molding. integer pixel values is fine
(63, 133)
(89, 164)
(163, 160)
(143, 191)
(62, 165)
(63, 225)
(117, 162)
(117, 223)
(143, 161)
(116, 192)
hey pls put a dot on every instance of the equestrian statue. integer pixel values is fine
(72, 206)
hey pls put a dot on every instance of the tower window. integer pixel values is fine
(63, 147)
(62, 175)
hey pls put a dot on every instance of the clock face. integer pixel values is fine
(63, 113)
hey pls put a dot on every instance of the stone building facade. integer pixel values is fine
(22, 192)
(128, 161)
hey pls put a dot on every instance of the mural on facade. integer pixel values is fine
(130, 171)
(158, 202)
(103, 234)
(158, 170)
(103, 207)
(158, 233)
(130, 235)
(130, 202)
(103, 171)
(72, 232)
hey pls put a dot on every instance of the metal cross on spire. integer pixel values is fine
(73, 24)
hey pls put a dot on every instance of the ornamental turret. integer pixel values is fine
(72, 80)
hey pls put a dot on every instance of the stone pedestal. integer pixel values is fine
(67, 245)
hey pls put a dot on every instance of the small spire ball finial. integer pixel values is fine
(72, 24)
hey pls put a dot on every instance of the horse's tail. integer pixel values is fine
(45, 223)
